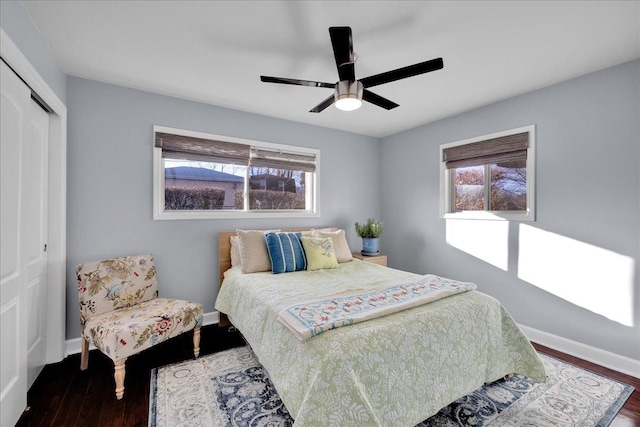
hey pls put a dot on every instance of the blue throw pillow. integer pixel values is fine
(285, 251)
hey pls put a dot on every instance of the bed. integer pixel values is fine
(395, 370)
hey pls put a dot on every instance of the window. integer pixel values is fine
(199, 176)
(489, 177)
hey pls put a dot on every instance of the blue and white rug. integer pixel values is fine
(232, 389)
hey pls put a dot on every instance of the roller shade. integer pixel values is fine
(506, 151)
(282, 160)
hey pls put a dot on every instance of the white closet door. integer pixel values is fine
(35, 214)
(24, 143)
(15, 105)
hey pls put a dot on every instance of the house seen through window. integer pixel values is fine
(490, 176)
(210, 176)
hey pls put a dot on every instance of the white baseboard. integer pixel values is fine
(211, 318)
(74, 346)
(605, 358)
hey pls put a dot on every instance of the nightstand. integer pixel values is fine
(376, 259)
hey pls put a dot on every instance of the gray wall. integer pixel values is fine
(15, 21)
(110, 168)
(594, 117)
(588, 189)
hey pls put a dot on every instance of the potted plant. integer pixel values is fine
(370, 233)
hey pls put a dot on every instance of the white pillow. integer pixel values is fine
(254, 256)
(339, 240)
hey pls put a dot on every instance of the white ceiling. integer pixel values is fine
(215, 51)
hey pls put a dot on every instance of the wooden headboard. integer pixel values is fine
(224, 248)
(224, 252)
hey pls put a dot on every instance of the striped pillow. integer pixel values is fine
(285, 252)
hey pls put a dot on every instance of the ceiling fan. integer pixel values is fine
(349, 92)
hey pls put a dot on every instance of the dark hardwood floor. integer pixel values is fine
(63, 395)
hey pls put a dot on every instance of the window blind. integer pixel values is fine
(200, 149)
(209, 150)
(507, 151)
(283, 160)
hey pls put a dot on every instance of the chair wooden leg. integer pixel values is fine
(84, 356)
(196, 342)
(119, 377)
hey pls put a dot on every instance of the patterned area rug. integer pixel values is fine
(232, 389)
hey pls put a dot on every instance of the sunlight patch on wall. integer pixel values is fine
(487, 240)
(591, 277)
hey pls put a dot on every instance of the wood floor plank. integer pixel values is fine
(63, 395)
(88, 414)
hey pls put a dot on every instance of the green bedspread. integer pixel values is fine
(393, 371)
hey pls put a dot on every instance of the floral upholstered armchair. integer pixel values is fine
(121, 314)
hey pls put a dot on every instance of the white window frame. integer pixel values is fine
(447, 182)
(312, 193)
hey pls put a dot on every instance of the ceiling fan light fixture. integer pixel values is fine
(348, 104)
(348, 95)
(349, 92)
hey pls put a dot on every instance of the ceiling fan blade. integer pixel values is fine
(342, 43)
(378, 100)
(284, 80)
(324, 104)
(403, 73)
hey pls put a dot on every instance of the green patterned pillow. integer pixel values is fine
(319, 252)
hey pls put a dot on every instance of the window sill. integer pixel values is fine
(176, 215)
(493, 216)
